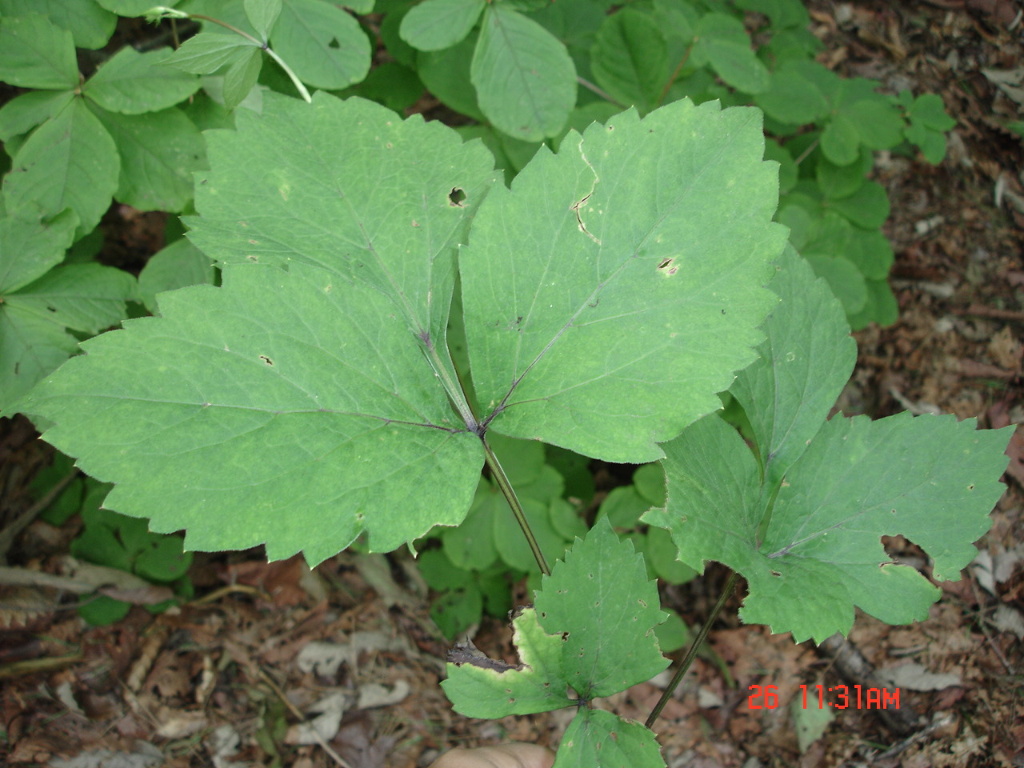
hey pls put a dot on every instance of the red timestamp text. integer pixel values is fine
(824, 697)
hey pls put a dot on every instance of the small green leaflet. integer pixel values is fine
(524, 78)
(323, 44)
(312, 398)
(802, 520)
(434, 25)
(630, 58)
(132, 83)
(35, 53)
(262, 14)
(39, 304)
(591, 630)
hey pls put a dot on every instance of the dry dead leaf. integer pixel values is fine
(916, 677)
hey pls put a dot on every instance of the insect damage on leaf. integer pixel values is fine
(575, 207)
(467, 653)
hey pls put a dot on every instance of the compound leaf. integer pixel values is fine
(588, 327)
(312, 398)
(254, 410)
(806, 532)
(592, 629)
(295, 406)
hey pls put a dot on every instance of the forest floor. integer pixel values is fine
(239, 675)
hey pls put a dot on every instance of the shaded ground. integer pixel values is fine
(227, 678)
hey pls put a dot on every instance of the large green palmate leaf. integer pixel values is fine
(297, 406)
(802, 521)
(591, 327)
(312, 398)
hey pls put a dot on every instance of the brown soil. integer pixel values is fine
(218, 681)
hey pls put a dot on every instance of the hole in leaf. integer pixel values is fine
(668, 267)
(266, 360)
(334, 43)
(456, 196)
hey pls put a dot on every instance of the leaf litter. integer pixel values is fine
(934, 355)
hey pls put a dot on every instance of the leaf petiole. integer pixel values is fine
(513, 501)
(691, 652)
(172, 13)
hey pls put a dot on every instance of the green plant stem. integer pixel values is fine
(513, 501)
(675, 74)
(281, 63)
(691, 652)
(606, 96)
(232, 27)
(456, 392)
(288, 71)
(803, 155)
